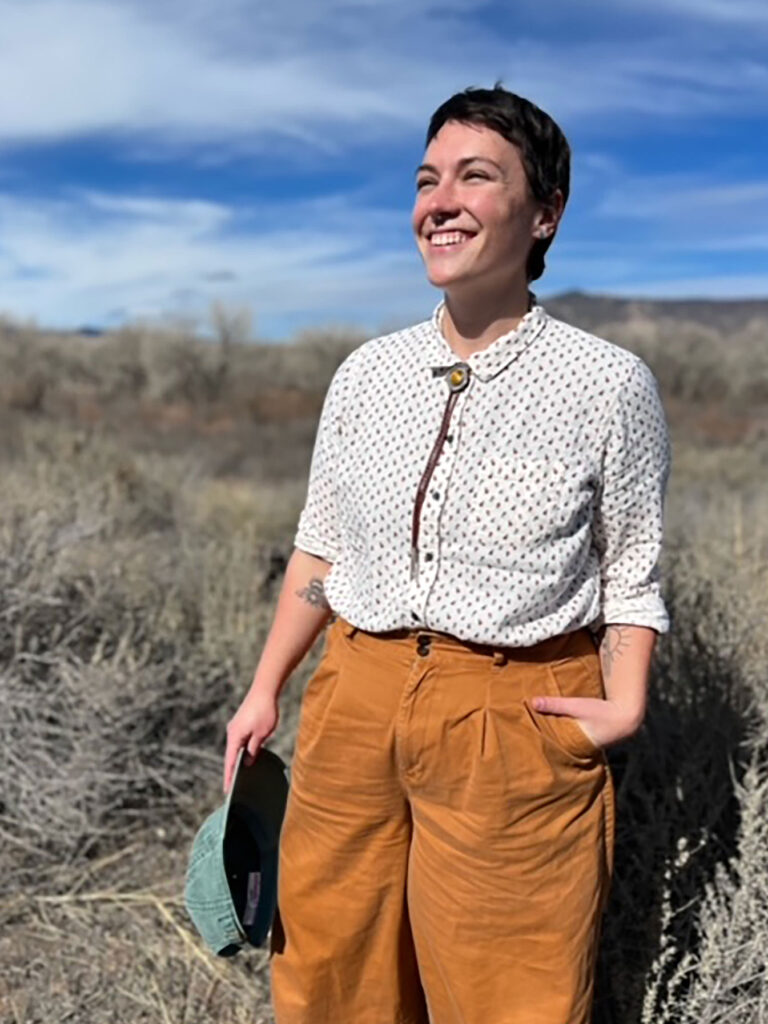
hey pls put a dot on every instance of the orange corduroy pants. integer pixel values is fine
(447, 850)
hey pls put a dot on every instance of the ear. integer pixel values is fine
(548, 216)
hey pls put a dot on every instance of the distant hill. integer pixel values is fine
(590, 311)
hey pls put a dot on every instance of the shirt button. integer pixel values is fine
(449, 438)
(428, 557)
(435, 494)
(414, 616)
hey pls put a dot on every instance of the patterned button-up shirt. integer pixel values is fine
(514, 497)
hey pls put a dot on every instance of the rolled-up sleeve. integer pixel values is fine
(628, 523)
(318, 531)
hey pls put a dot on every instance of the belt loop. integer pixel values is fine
(499, 657)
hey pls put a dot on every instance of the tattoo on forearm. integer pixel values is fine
(613, 642)
(313, 593)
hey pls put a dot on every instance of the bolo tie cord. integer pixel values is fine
(457, 377)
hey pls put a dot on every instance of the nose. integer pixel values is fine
(441, 201)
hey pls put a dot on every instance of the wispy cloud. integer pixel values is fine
(98, 257)
(79, 259)
(734, 14)
(346, 84)
(689, 210)
(304, 74)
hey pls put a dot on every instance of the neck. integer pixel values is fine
(471, 323)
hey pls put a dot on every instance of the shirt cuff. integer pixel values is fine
(316, 546)
(647, 611)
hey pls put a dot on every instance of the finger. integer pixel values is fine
(252, 749)
(559, 705)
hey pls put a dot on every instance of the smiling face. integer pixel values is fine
(474, 217)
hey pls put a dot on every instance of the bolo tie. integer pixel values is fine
(457, 378)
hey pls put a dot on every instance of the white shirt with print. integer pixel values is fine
(544, 509)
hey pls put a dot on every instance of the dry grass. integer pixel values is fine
(140, 557)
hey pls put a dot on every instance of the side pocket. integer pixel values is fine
(575, 677)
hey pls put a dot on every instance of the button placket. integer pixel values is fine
(430, 518)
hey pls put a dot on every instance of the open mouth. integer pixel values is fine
(449, 240)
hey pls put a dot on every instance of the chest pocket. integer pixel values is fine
(519, 502)
(531, 474)
(523, 482)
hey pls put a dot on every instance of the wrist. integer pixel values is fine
(264, 686)
(631, 718)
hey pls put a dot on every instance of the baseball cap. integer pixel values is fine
(231, 883)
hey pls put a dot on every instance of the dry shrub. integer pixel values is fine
(678, 806)
(137, 580)
(178, 368)
(275, 404)
(728, 979)
(153, 364)
(110, 941)
(696, 362)
(677, 947)
(133, 595)
(128, 617)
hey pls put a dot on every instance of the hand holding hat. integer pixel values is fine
(253, 723)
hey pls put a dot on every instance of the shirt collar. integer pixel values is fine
(436, 352)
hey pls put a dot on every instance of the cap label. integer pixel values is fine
(252, 897)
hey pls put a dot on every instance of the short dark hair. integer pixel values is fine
(544, 149)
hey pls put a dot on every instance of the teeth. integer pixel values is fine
(448, 237)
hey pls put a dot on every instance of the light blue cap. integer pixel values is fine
(231, 883)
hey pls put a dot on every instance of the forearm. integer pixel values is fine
(625, 659)
(301, 612)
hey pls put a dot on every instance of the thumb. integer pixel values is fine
(553, 705)
(229, 764)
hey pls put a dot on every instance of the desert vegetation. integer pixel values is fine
(151, 484)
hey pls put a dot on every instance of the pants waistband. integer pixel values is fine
(575, 643)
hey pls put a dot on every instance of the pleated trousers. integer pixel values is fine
(447, 851)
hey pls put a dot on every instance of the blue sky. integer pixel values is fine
(156, 156)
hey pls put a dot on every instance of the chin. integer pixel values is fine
(443, 280)
(438, 282)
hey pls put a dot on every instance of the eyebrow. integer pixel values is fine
(462, 163)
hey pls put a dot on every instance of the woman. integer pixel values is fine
(484, 516)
